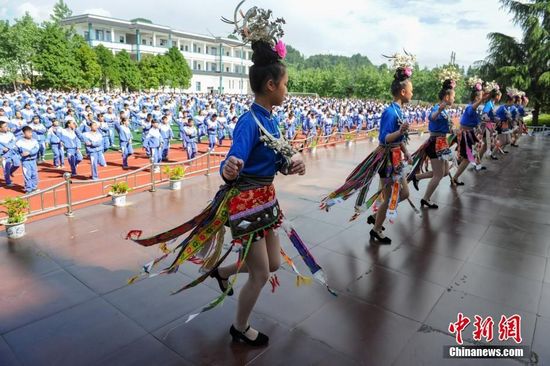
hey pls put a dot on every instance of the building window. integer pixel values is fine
(121, 39)
(99, 35)
(163, 42)
(227, 69)
(108, 36)
(213, 51)
(87, 36)
(186, 48)
(144, 42)
(198, 86)
(181, 48)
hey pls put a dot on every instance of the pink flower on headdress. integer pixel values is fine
(408, 71)
(478, 86)
(453, 84)
(280, 48)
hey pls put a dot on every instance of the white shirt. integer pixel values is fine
(93, 136)
(6, 138)
(27, 144)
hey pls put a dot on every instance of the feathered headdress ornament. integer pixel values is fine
(490, 86)
(512, 92)
(256, 24)
(450, 72)
(404, 61)
(475, 82)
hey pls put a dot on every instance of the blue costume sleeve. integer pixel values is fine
(388, 124)
(245, 136)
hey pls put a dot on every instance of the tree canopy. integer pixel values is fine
(523, 63)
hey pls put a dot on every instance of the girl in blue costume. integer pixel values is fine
(504, 125)
(488, 123)
(467, 137)
(436, 148)
(247, 203)
(387, 160)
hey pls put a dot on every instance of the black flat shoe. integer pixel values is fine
(457, 183)
(423, 203)
(371, 220)
(514, 145)
(494, 157)
(261, 340)
(415, 182)
(216, 274)
(383, 240)
(506, 152)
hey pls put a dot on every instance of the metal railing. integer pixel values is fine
(151, 175)
(539, 130)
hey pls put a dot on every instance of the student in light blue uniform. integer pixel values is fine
(231, 127)
(85, 126)
(126, 136)
(27, 113)
(212, 127)
(39, 134)
(93, 141)
(112, 122)
(16, 125)
(9, 154)
(222, 128)
(153, 142)
(290, 126)
(103, 128)
(28, 151)
(191, 138)
(53, 140)
(145, 128)
(167, 134)
(72, 144)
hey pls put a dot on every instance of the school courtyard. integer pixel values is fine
(64, 299)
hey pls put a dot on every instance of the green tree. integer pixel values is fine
(55, 61)
(86, 58)
(110, 77)
(294, 57)
(130, 79)
(60, 11)
(523, 63)
(8, 64)
(178, 73)
(25, 36)
(150, 71)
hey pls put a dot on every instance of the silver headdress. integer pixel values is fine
(402, 61)
(449, 72)
(512, 92)
(490, 86)
(256, 25)
(475, 81)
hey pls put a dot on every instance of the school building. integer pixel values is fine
(219, 64)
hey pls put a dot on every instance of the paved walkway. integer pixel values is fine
(64, 298)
